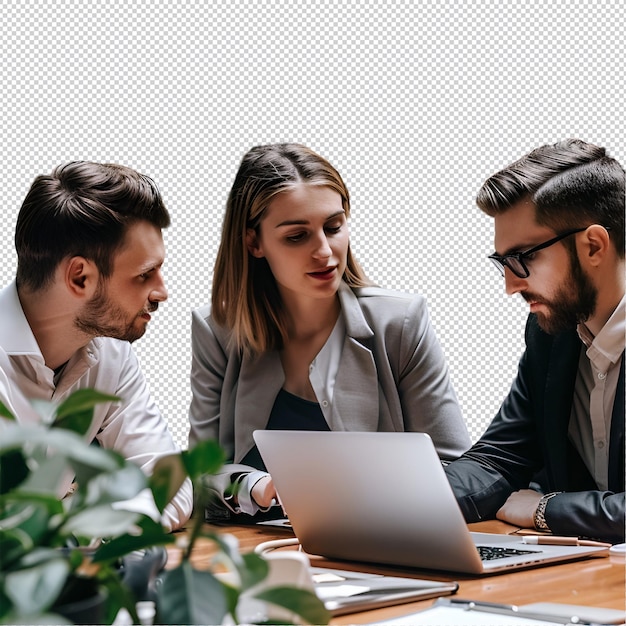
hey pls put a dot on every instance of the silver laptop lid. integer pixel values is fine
(384, 498)
(377, 497)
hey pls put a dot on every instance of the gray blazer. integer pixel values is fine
(392, 376)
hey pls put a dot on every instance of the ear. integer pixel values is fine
(81, 277)
(595, 245)
(253, 245)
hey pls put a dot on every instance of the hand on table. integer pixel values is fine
(520, 507)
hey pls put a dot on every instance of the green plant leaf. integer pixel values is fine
(37, 620)
(22, 496)
(5, 608)
(228, 545)
(14, 544)
(33, 589)
(4, 412)
(252, 569)
(13, 470)
(16, 436)
(302, 602)
(206, 457)
(94, 462)
(122, 484)
(60, 442)
(100, 521)
(78, 422)
(118, 595)
(42, 555)
(232, 596)
(81, 400)
(166, 479)
(152, 534)
(22, 526)
(45, 409)
(75, 413)
(82, 454)
(190, 596)
(46, 478)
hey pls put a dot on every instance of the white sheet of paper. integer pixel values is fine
(444, 616)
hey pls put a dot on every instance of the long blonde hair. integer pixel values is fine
(245, 298)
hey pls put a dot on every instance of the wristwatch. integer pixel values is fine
(539, 518)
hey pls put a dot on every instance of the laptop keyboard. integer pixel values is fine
(489, 553)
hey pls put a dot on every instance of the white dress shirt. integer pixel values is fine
(133, 427)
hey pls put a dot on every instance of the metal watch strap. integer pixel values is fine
(539, 518)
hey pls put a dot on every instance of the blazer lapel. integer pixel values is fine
(355, 399)
(260, 380)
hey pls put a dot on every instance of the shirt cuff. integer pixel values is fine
(244, 493)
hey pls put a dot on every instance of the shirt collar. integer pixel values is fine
(608, 344)
(16, 336)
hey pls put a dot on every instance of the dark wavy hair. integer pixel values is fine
(571, 183)
(81, 209)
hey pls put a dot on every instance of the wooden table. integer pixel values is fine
(597, 581)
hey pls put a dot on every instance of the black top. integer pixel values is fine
(289, 413)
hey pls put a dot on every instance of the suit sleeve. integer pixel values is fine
(208, 369)
(208, 365)
(503, 460)
(429, 403)
(595, 514)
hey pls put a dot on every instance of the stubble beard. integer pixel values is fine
(102, 318)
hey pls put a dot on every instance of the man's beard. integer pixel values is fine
(102, 318)
(573, 303)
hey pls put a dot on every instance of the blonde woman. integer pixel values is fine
(297, 337)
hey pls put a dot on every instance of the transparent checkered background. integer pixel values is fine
(415, 103)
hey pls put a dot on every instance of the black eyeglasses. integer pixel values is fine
(515, 260)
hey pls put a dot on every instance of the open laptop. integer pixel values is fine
(384, 498)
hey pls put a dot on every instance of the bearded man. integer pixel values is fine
(553, 457)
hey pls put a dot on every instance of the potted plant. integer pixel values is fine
(47, 549)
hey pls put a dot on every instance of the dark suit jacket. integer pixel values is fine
(528, 441)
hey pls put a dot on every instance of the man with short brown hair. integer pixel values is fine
(90, 252)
